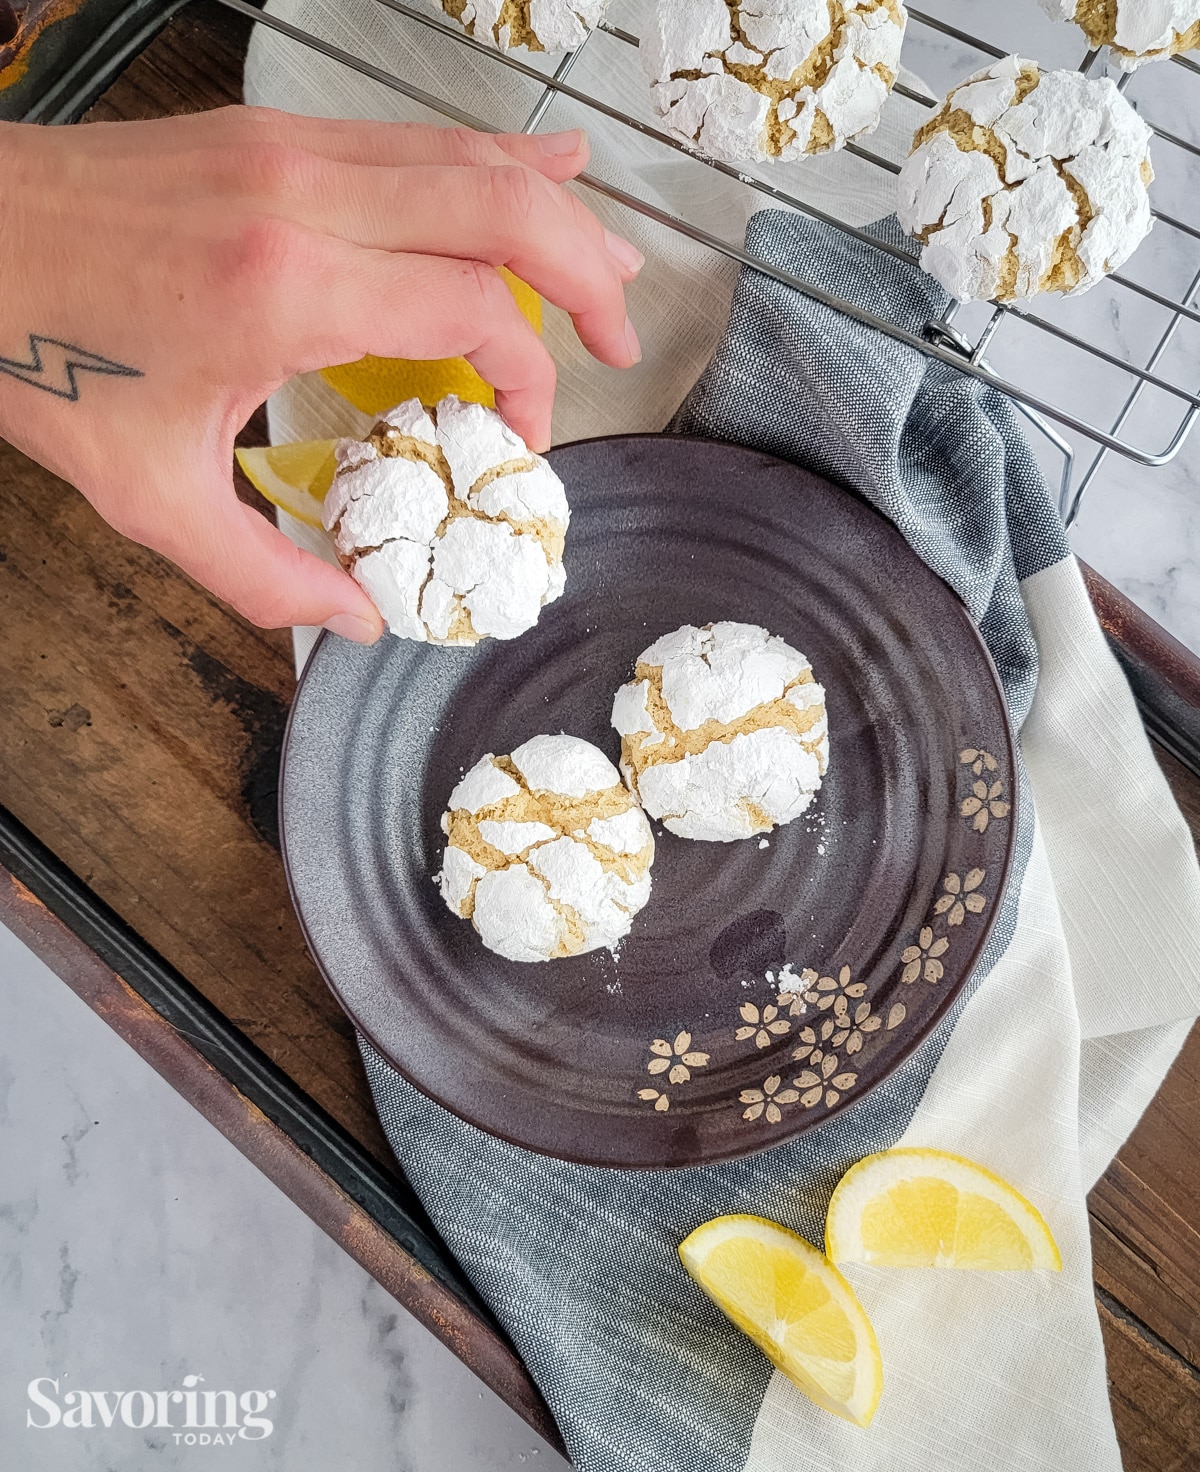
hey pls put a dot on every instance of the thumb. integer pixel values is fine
(234, 552)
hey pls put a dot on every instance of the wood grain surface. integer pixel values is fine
(140, 731)
(194, 64)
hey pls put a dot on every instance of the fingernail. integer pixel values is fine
(557, 144)
(350, 626)
(626, 254)
(631, 340)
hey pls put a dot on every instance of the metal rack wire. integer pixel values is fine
(950, 339)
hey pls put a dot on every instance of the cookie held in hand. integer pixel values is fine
(449, 522)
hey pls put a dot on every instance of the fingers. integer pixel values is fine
(273, 583)
(445, 191)
(506, 217)
(556, 156)
(224, 131)
(237, 554)
(418, 306)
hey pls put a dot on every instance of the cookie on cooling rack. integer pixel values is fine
(774, 80)
(1026, 181)
(538, 25)
(1134, 31)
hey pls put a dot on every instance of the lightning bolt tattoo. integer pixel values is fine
(53, 364)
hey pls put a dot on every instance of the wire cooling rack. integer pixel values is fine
(1113, 369)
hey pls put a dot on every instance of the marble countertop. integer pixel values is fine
(1141, 528)
(139, 1248)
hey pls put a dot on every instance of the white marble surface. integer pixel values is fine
(1141, 529)
(137, 1247)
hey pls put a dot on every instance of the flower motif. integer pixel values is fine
(835, 1032)
(793, 1002)
(862, 1022)
(923, 958)
(822, 1080)
(661, 1101)
(676, 1056)
(761, 1026)
(767, 1098)
(846, 1025)
(897, 1012)
(978, 761)
(985, 802)
(961, 895)
(825, 992)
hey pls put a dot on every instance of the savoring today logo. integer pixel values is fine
(195, 1417)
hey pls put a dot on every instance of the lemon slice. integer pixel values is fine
(930, 1209)
(294, 477)
(795, 1305)
(376, 384)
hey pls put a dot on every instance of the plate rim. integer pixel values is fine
(902, 1054)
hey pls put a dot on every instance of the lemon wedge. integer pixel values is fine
(375, 384)
(931, 1209)
(791, 1300)
(294, 477)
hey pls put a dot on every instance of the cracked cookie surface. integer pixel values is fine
(753, 80)
(547, 852)
(538, 25)
(723, 731)
(1134, 31)
(453, 527)
(1027, 181)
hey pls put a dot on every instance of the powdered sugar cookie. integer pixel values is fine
(449, 522)
(547, 852)
(539, 25)
(723, 731)
(767, 79)
(1027, 181)
(1135, 31)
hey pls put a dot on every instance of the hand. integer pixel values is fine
(207, 259)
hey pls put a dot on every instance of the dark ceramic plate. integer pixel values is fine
(679, 1052)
